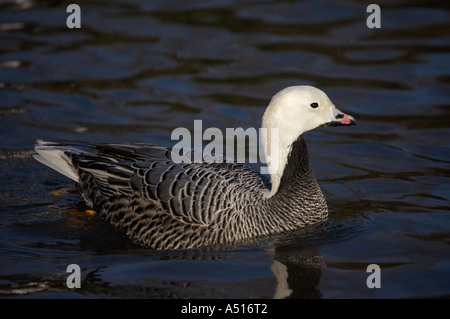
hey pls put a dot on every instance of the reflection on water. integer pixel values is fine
(134, 71)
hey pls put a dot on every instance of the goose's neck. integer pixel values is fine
(297, 186)
(297, 167)
(277, 150)
(285, 159)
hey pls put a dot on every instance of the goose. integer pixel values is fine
(164, 205)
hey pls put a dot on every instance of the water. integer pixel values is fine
(134, 71)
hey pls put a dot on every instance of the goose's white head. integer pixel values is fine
(292, 112)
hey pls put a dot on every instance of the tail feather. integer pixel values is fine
(53, 155)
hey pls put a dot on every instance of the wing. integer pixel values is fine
(194, 193)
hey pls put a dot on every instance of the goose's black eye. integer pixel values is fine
(314, 105)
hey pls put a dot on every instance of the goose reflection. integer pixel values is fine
(297, 272)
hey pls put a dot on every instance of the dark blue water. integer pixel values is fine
(134, 71)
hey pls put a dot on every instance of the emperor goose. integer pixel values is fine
(166, 205)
